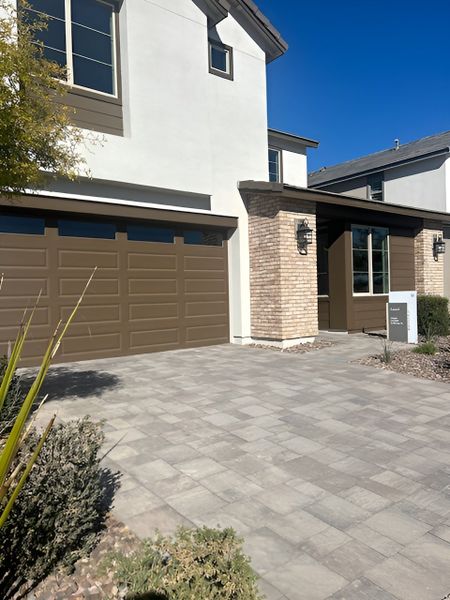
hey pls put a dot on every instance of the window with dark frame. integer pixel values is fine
(80, 35)
(322, 260)
(220, 59)
(205, 237)
(370, 253)
(375, 183)
(87, 229)
(22, 225)
(274, 165)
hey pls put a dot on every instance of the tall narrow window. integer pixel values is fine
(80, 36)
(274, 165)
(376, 187)
(322, 260)
(370, 260)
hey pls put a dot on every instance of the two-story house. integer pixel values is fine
(414, 174)
(197, 216)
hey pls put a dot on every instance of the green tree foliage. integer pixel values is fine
(37, 140)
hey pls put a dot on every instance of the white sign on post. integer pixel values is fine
(409, 298)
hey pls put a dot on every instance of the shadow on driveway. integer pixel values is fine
(63, 382)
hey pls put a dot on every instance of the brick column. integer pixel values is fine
(429, 272)
(283, 283)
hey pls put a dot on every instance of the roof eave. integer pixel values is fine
(321, 196)
(296, 139)
(268, 36)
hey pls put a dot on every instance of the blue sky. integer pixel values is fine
(359, 74)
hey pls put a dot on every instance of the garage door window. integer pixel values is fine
(145, 233)
(27, 225)
(203, 238)
(72, 228)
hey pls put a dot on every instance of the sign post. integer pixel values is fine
(402, 317)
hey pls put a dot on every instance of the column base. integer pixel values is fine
(283, 344)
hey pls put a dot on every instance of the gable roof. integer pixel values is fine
(425, 147)
(247, 12)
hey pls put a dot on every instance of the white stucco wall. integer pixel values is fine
(185, 129)
(295, 168)
(420, 184)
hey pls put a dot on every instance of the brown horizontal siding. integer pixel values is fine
(402, 268)
(324, 313)
(368, 313)
(95, 112)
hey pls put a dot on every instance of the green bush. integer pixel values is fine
(432, 316)
(61, 509)
(426, 348)
(196, 563)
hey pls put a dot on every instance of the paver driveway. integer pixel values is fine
(338, 475)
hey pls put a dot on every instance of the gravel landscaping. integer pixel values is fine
(90, 581)
(404, 360)
(299, 348)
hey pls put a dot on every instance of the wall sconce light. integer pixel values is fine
(304, 236)
(438, 247)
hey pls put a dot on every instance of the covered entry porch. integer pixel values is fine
(357, 251)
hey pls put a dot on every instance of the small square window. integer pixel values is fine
(220, 60)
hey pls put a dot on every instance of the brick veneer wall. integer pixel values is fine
(283, 283)
(429, 272)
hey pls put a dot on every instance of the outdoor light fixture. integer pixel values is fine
(438, 247)
(304, 236)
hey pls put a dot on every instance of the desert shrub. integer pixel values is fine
(386, 352)
(13, 401)
(432, 316)
(61, 509)
(194, 564)
(426, 348)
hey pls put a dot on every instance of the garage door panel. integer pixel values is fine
(26, 287)
(148, 286)
(150, 340)
(153, 311)
(98, 313)
(14, 315)
(88, 344)
(202, 285)
(204, 263)
(79, 259)
(212, 308)
(152, 262)
(98, 287)
(210, 333)
(154, 324)
(23, 257)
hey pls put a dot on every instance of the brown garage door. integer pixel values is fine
(158, 287)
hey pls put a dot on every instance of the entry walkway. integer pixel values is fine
(337, 475)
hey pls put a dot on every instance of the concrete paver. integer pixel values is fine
(336, 474)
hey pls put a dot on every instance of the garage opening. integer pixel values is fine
(159, 286)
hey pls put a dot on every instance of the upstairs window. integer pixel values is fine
(274, 165)
(220, 59)
(80, 36)
(376, 187)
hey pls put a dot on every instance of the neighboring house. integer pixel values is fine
(186, 255)
(413, 174)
